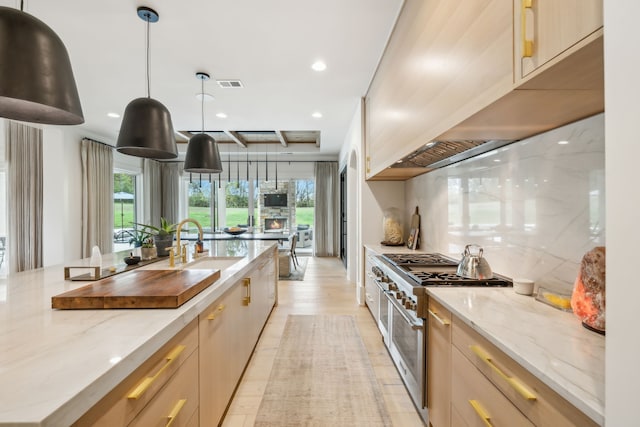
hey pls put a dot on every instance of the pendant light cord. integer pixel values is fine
(202, 102)
(21, 5)
(148, 79)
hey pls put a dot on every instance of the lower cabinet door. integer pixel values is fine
(177, 402)
(477, 401)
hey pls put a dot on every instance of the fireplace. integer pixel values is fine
(276, 225)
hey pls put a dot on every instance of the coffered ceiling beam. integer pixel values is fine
(236, 138)
(282, 138)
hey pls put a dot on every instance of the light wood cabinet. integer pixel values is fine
(439, 365)
(455, 71)
(177, 403)
(480, 366)
(219, 330)
(444, 61)
(229, 330)
(477, 402)
(166, 383)
(545, 29)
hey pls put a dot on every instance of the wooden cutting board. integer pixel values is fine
(415, 220)
(138, 289)
(414, 231)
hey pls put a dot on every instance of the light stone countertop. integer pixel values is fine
(56, 364)
(549, 343)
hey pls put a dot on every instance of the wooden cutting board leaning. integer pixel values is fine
(414, 231)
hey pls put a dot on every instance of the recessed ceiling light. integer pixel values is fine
(563, 142)
(221, 115)
(496, 160)
(319, 66)
(207, 97)
(317, 115)
(113, 115)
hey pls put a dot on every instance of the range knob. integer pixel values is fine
(393, 286)
(401, 295)
(409, 305)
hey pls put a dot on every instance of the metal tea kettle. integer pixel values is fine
(474, 266)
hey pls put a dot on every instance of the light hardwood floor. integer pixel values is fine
(325, 290)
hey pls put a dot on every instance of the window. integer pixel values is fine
(305, 201)
(124, 206)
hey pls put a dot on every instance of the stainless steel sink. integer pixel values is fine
(201, 263)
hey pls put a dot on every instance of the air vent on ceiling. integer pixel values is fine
(230, 84)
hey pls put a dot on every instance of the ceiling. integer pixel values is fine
(268, 45)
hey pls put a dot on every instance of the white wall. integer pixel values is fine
(622, 92)
(365, 217)
(350, 158)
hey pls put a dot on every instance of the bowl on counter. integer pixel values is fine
(235, 231)
(131, 260)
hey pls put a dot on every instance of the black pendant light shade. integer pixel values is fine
(147, 130)
(36, 79)
(202, 155)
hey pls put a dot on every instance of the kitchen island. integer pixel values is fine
(57, 364)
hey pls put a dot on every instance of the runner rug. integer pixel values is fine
(322, 376)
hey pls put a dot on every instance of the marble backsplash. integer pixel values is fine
(535, 206)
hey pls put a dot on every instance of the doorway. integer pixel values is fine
(343, 216)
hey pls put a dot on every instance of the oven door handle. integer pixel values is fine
(414, 325)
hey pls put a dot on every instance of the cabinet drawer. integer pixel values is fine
(127, 399)
(538, 402)
(176, 402)
(478, 402)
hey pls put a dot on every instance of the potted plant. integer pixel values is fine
(162, 236)
(148, 249)
(139, 236)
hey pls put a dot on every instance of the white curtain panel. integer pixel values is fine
(24, 159)
(171, 191)
(152, 191)
(327, 209)
(97, 196)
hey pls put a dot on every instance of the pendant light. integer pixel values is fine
(36, 79)
(146, 129)
(202, 150)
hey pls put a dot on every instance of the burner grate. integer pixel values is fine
(419, 259)
(452, 279)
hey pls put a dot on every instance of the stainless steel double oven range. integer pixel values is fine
(397, 298)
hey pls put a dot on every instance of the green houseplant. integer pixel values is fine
(162, 235)
(139, 235)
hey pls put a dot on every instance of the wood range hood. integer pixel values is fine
(569, 90)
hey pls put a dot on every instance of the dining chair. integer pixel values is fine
(292, 252)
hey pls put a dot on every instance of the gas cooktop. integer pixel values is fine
(435, 269)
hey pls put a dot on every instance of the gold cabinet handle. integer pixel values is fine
(513, 382)
(216, 312)
(368, 164)
(440, 320)
(247, 283)
(527, 45)
(486, 419)
(146, 383)
(175, 411)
